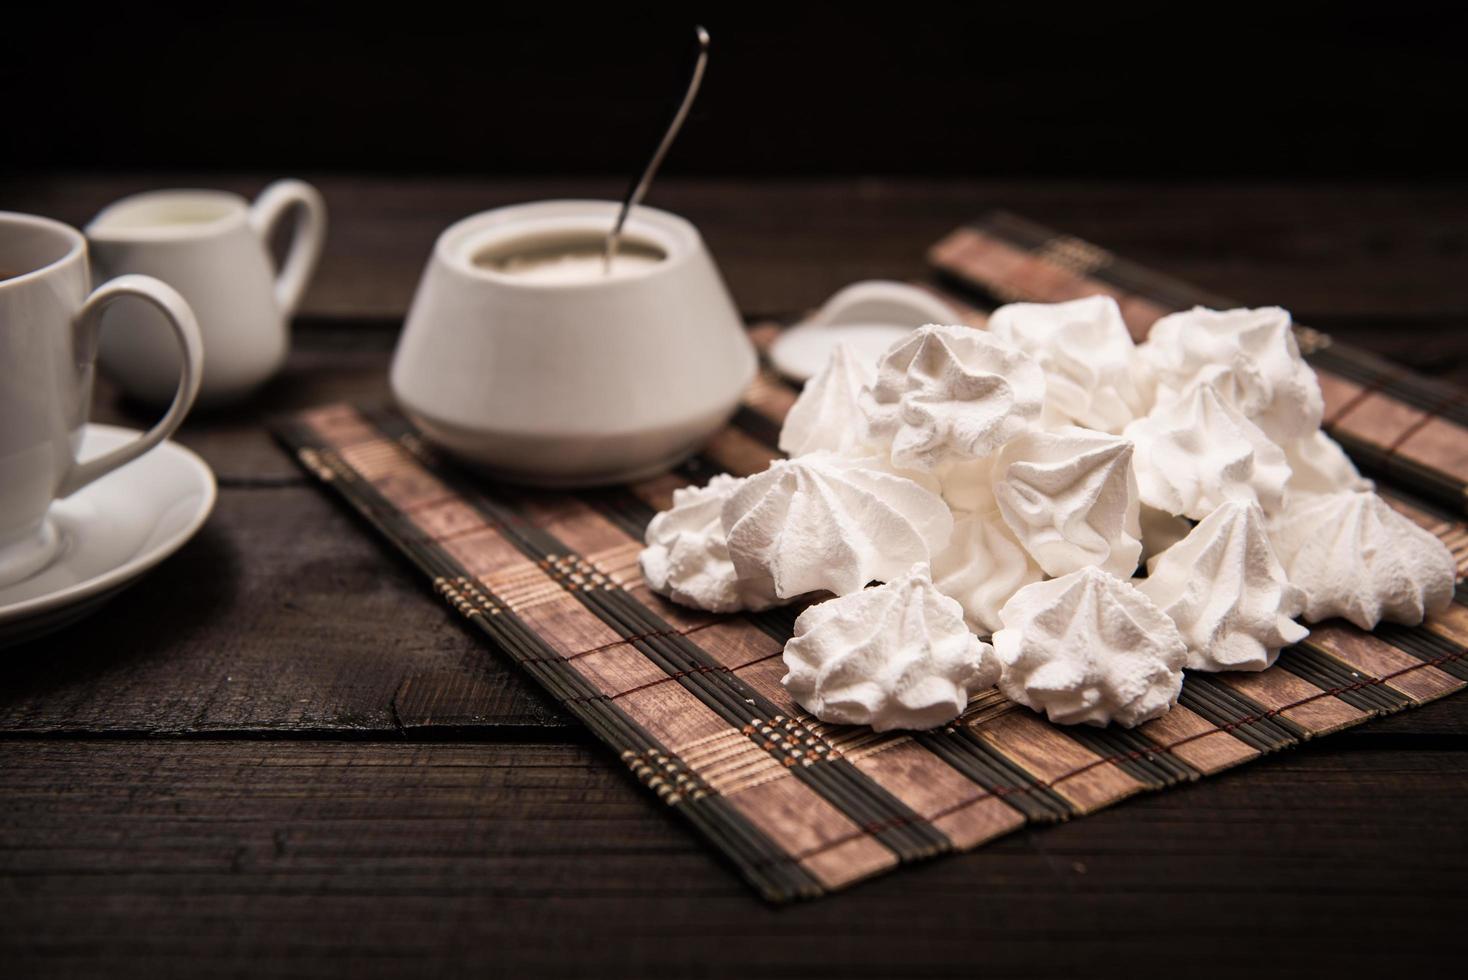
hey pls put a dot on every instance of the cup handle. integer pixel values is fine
(175, 310)
(306, 241)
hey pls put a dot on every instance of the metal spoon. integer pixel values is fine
(635, 194)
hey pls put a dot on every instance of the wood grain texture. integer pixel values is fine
(273, 823)
(283, 615)
(218, 858)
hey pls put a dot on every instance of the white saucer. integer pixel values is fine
(870, 316)
(112, 532)
(801, 352)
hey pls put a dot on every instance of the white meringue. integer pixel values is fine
(687, 555)
(826, 416)
(1318, 464)
(893, 656)
(1250, 356)
(968, 486)
(1356, 557)
(1086, 353)
(1088, 647)
(829, 523)
(950, 393)
(955, 451)
(1070, 498)
(1224, 588)
(1197, 451)
(982, 567)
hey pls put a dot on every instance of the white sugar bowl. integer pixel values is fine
(523, 355)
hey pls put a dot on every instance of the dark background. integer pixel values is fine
(1176, 90)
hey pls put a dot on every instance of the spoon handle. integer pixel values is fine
(639, 189)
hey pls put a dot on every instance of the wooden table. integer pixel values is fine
(279, 755)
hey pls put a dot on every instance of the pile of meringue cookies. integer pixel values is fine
(1013, 483)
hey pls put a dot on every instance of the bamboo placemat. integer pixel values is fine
(692, 702)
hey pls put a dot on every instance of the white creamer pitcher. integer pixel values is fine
(213, 247)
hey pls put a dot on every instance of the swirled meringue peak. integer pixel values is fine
(1356, 557)
(1070, 498)
(1226, 591)
(947, 394)
(829, 523)
(827, 416)
(1318, 464)
(687, 556)
(1088, 647)
(892, 656)
(982, 567)
(1197, 451)
(1087, 355)
(1249, 356)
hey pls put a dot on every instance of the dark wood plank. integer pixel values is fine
(283, 615)
(297, 859)
(1391, 252)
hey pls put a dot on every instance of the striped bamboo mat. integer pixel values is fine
(692, 702)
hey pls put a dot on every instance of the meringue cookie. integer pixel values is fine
(968, 486)
(1224, 588)
(950, 393)
(687, 556)
(982, 567)
(1197, 451)
(1088, 647)
(893, 656)
(1250, 356)
(1356, 557)
(1087, 355)
(826, 416)
(829, 523)
(1318, 464)
(1070, 498)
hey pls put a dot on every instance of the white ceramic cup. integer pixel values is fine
(49, 319)
(213, 247)
(571, 383)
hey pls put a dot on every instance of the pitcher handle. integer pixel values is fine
(175, 310)
(306, 240)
